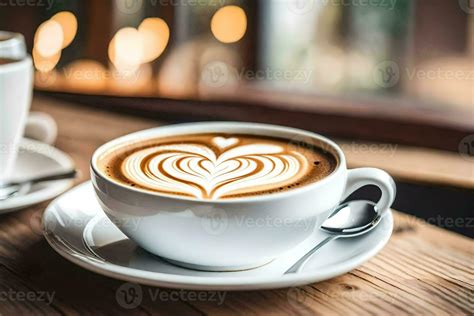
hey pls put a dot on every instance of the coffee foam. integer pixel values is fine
(216, 166)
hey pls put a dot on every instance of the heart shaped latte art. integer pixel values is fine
(223, 142)
(196, 170)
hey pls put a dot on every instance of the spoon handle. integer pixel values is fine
(300, 263)
(60, 176)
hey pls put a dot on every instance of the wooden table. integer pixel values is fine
(422, 270)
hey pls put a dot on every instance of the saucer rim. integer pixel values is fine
(175, 281)
(32, 198)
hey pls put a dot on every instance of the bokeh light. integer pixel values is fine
(156, 35)
(177, 76)
(47, 80)
(49, 38)
(126, 49)
(68, 23)
(85, 75)
(229, 24)
(131, 82)
(45, 64)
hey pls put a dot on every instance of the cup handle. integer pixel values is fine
(360, 177)
(42, 127)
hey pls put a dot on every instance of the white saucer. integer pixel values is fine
(37, 159)
(76, 227)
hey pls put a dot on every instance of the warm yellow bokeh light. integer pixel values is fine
(156, 34)
(47, 80)
(49, 38)
(85, 75)
(68, 22)
(126, 49)
(111, 50)
(131, 82)
(229, 24)
(45, 64)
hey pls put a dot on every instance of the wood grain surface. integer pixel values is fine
(415, 164)
(422, 270)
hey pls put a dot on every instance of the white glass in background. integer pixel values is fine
(12, 45)
(332, 47)
(299, 38)
(16, 85)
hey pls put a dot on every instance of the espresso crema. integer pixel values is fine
(216, 166)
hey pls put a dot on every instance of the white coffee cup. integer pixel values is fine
(230, 234)
(16, 84)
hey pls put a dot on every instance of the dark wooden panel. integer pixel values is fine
(404, 123)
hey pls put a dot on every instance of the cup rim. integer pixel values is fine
(11, 38)
(15, 65)
(247, 128)
(12, 45)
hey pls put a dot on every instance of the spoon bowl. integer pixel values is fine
(352, 219)
(349, 219)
